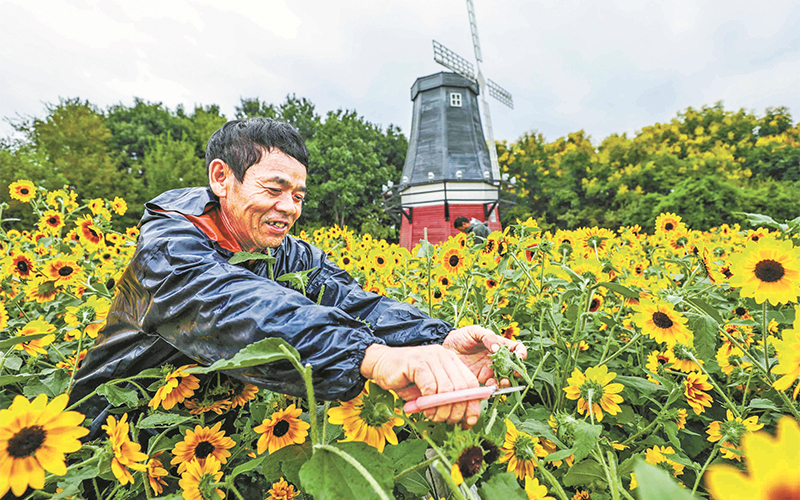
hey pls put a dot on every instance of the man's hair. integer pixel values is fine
(460, 220)
(242, 143)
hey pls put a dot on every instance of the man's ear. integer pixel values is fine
(219, 177)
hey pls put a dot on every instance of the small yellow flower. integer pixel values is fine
(596, 387)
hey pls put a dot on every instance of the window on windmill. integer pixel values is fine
(455, 99)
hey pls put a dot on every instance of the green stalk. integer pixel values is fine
(612, 481)
(305, 372)
(417, 467)
(449, 480)
(554, 484)
(730, 404)
(703, 470)
(75, 366)
(765, 336)
(621, 350)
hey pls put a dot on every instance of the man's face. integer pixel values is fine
(463, 227)
(260, 210)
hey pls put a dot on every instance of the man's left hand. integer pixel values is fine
(473, 345)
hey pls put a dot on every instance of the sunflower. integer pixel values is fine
(668, 222)
(127, 454)
(788, 352)
(768, 270)
(511, 331)
(656, 361)
(694, 386)
(36, 327)
(51, 222)
(33, 438)
(119, 206)
(771, 465)
(380, 261)
(198, 477)
(90, 235)
(656, 456)
(201, 444)
(92, 314)
(595, 386)
(519, 450)
(3, 316)
(156, 473)
(662, 322)
(132, 232)
(453, 261)
(21, 190)
(178, 385)
(40, 290)
(363, 420)
(594, 239)
(218, 406)
(21, 266)
(345, 262)
(596, 304)
(683, 358)
(680, 418)
(70, 363)
(730, 432)
(282, 491)
(64, 271)
(242, 396)
(582, 495)
(282, 429)
(730, 357)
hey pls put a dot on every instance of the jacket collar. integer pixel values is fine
(187, 201)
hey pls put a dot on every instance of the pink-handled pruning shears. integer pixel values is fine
(448, 398)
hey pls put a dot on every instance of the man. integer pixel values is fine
(180, 301)
(474, 226)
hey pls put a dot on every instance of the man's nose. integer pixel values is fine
(286, 204)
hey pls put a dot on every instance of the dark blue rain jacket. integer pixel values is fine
(180, 301)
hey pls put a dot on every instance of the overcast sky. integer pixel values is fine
(602, 66)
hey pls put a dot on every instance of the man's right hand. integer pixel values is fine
(417, 371)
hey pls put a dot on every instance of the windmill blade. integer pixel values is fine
(500, 93)
(452, 61)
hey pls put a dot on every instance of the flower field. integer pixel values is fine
(663, 364)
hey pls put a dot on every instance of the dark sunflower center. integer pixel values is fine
(24, 191)
(22, 266)
(784, 491)
(769, 271)
(453, 260)
(755, 238)
(346, 260)
(281, 428)
(65, 271)
(594, 305)
(26, 442)
(740, 311)
(52, 221)
(381, 261)
(661, 320)
(437, 294)
(727, 273)
(445, 281)
(470, 461)
(203, 449)
(110, 283)
(669, 226)
(106, 256)
(92, 231)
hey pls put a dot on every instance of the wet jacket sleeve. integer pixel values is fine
(209, 309)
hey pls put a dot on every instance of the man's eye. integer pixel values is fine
(299, 199)
(274, 191)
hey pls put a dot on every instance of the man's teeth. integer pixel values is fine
(277, 224)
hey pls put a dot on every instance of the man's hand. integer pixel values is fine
(421, 371)
(473, 344)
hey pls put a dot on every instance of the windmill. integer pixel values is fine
(451, 165)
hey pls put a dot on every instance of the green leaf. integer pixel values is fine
(671, 429)
(656, 484)
(330, 476)
(405, 455)
(640, 384)
(538, 428)
(13, 363)
(5, 344)
(705, 336)
(286, 462)
(583, 473)
(240, 257)
(763, 404)
(71, 481)
(248, 466)
(260, 353)
(53, 385)
(298, 280)
(586, 436)
(163, 420)
(759, 220)
(706, 308)
(118, 396)
(502, 487)
(13, 379)
(559, 455)
(622, 290)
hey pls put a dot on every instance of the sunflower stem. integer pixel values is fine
(457, 492)
(621, 350)
(356, 465)
(703, 470)
(414, 468)
(647, 429)
(554, 484)
(714, 383)
(612, 481)
(765, 336)
(312, 404)
(75, 366)
(147, 492)
(325, 407)
(428, 257)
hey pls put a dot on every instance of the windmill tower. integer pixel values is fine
(451, 165)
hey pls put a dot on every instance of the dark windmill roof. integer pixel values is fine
(445, 139)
